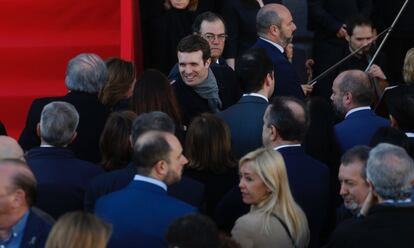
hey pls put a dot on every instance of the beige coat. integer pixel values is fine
(248, 232)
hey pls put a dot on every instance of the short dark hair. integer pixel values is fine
(252, 68)
(207, 16)
(194, 43)
(24, 181)
(150, 148)
(401, 107)
(357, 20)
(152, 121)
(290, 125)
(357, 153)
(194, 230)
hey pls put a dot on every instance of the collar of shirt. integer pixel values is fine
(357, 109)
(257, 95)
(150, 180)
(390, 201)
(281, 49)
(16, 234)
(46, 146)
(410, 135)
(277, 148)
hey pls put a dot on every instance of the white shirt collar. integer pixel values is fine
(410, 135)
(150, 180)
(45, 145)
(281, 49)
(277, 148)
(357, 109)
(258, 95)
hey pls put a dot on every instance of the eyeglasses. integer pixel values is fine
(211, 37)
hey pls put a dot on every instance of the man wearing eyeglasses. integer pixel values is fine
(211, 27)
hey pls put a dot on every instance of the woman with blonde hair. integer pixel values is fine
(79, 230)
(275, 219)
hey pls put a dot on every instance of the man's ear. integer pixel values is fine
(208, 62)
(274, 133)
(393, 121)
(74, 135)
(160, 169)
(38, 129)
(19, 198)
(347, 98)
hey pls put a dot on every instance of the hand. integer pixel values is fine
(309, 70)
(376, 72)
(341, 33)
(307, 89)
(289, 52)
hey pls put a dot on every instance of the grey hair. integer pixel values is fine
(265, 18)
(58, 123)
(86, 73)
(391, 170)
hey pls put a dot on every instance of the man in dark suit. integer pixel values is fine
(200, 88)
(388, 209)
(20, 224)
(275, 29)
(285, 123)
(187, 190)
(352, 94)
(254, 70)
(62, 178)
(328, 19)
(401, 108)
(85, 76)
(141, 213)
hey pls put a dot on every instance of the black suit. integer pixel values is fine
(384, 226)
(92, 118)
(187, 190)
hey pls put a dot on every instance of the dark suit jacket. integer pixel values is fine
(240, 18)
(61, 178)
(187, 190)
(245, 120)
(2, 129)
(287, 82)
(92, 118)
(36, 230)
(384, 226)
(140, 214)
(192, 105)
(358, 129)
(309, 183)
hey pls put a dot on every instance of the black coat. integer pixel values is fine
(92, 118)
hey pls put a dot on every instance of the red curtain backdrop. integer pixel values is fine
(39, 37)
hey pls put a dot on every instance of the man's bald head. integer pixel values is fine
(10, 149)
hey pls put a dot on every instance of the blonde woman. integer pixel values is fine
(275, 219)
(79, 230)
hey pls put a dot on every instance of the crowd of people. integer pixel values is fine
(218, 143)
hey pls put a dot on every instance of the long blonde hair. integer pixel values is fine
(270, 167)
(79, 229)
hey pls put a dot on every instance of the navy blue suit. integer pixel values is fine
(36, 230)
(358, 129)
(309, 183)
(187, 189)
(61, 178)
(140, 214)
(287, 82)
(245, 120)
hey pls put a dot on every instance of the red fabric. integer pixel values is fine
(38, 37)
